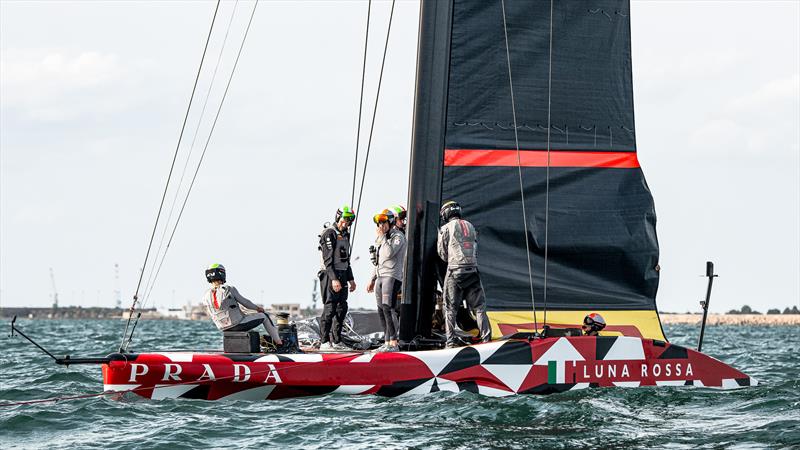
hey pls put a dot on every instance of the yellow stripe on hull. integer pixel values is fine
(619, 323)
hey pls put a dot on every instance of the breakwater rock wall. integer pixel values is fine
(66, 312)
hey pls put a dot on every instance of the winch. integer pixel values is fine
(288, 333)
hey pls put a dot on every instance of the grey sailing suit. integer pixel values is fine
(457, 245)
(388, 277)
(222, 304)
(334, 246)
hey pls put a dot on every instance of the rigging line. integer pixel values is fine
(360, 107)
(171, 168)
(519, 167)
(148, 286)
(372, 125)
(547, 176)
(205, 147)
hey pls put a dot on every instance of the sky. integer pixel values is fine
(93, 94)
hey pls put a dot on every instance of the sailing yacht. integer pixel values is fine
(524, 114)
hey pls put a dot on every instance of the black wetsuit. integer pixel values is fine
(335, 248)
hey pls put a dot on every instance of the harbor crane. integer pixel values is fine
(55, 291)
(314, 296)
(117, 290)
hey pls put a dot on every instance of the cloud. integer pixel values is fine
(37, 214)
(756, 122)
(783, 93)
(716, 134)
(55, 67)
(58, 85)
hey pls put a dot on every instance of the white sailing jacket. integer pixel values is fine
(458, 244)
(391, 255)
(222, 304)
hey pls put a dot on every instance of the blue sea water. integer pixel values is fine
(767, 416)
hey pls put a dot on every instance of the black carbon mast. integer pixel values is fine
(425, 174)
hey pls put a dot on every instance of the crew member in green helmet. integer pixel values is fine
(400, 214)
(334, 273)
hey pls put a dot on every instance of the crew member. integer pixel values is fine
(400, 214)
(457, 246)
(400, 222)
(223, 305)
(388, 255)
(592, 324)
(334, 244)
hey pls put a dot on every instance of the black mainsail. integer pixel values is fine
(598, 225)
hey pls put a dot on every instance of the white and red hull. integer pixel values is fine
(501, 368)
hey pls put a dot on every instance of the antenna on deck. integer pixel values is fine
(704, 304)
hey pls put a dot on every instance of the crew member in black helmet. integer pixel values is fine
(223, 301)
(457, 246)
(593, 324)
(334, 273)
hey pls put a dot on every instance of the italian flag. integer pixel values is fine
(555, 372)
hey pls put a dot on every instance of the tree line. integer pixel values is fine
(748, 310)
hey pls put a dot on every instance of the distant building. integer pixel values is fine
(172, 313)
(292, 308)
(196, 312)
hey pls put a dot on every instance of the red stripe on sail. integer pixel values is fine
(538, 158)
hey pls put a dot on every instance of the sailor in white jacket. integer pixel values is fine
(222, 303)
(457, 245)
(388, 256)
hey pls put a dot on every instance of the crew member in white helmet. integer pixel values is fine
(593, 324)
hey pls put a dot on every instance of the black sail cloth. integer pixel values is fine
(602, 245)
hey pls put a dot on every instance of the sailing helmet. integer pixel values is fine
(384, 216)
(399, 211)
(215, 272)
(346, 213)
(449, 210)
(593, 322)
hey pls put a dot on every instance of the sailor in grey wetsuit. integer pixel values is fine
(388, 256)
(222, 303)
(457, 245)
(335, 271)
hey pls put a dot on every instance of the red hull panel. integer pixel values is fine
(500, 368)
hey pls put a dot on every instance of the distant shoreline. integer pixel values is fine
(666, 318)
(731, 319)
